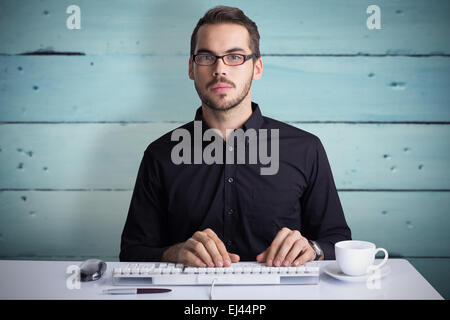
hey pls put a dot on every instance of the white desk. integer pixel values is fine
(47, 280)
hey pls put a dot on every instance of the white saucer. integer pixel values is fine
(333, 270)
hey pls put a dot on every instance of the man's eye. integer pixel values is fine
(206, 58)
(235, 57)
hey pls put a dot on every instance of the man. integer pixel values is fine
(220, 213)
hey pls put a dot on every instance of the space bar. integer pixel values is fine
(237, 279)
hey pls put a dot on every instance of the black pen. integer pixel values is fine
(136, 290)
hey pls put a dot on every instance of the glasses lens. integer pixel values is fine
(234, 59)
(205, 59)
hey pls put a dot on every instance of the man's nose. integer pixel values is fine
(219, 68)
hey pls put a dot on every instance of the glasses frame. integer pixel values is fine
(246, 57)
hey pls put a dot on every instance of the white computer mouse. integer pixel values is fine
(92, 269)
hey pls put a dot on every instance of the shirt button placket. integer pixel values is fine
(230, 190)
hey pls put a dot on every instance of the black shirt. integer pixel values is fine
(246, 209)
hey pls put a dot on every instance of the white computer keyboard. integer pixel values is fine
(240, 273)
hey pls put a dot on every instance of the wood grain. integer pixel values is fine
(74, 224)
(107, 156)
(286, 27)
(149, 89)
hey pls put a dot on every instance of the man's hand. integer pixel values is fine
(203, 249)
(289, 247)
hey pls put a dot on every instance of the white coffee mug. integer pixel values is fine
(356, 258)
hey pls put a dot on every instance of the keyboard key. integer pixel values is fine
(127, 271)
(220, 270)
(238, 270)
(144, 270)
(256, 270)
(291, 269)
(135, 271)
(201, 270)
(273, 269)
(157, 270)
(300, 269)
(189, 270)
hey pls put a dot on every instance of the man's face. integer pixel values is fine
(220, 39)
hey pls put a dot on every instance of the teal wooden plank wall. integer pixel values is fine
(78, 108)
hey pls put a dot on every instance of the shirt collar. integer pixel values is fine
(254, 122)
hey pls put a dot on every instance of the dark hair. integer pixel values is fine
(224, 14)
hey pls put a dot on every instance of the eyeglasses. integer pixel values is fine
(232, 59)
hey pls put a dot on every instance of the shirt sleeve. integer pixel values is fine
(322, 215)
(143, 236)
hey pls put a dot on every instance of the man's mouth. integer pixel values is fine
(221, 87)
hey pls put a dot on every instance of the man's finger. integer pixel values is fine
(262, 256)
(210, 244)
(234, 257)
(288, 242)
(197, 247)
(190, 259)
(221, 248)
(307, 254)
(294, 253)
(273, 249)
(210, 232)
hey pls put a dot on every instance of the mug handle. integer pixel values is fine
(382, 263)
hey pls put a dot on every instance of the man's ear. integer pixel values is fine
(191, 71)
(257, 69)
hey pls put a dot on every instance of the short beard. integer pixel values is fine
(210, 104)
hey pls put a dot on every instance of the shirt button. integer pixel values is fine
(231, 211)
(230, 180)
(230, 148)
(229, 242)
